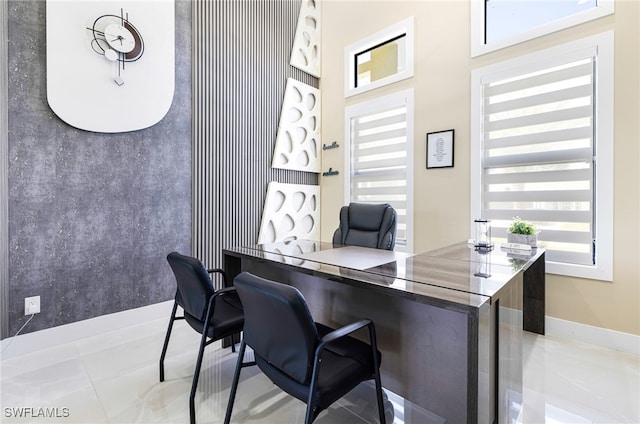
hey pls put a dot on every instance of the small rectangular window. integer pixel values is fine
(381, 59)
(507, 18)
(496, 24)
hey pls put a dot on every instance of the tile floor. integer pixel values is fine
(113, 378)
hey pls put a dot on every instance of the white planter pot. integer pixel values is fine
(531, 240)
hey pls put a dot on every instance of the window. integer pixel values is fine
(380, 134)
(542, 139)
(381, 59)
(496, 24)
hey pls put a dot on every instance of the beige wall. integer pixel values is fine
(442, 101)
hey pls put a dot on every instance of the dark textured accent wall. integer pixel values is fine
(240, 69)
(91, 216)
(4, 174)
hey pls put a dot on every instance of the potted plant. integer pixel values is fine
(522, 232)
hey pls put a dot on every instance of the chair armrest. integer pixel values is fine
(224, 290)
(338, 334)
(342, 332)
(221, 272)
(212, 300)
(221, 292)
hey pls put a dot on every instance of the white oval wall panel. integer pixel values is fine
(305, 54)
(291, 212)
(110, 64)
(298, 139)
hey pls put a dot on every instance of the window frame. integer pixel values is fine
(603, 46)
(378, 104)
(386, 35)
(479, 46)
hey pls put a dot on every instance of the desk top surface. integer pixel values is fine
(457, 272)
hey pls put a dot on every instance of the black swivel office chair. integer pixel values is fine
(213, 313)
(312, 362)
(367, 225)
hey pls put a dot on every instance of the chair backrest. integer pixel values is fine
(367, 225)
(278, 325)
(194, 284)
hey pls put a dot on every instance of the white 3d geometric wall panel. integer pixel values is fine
(305, 54)
(291, 212)
(298, 140)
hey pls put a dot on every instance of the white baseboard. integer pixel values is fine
(67, 333)
(616, 340)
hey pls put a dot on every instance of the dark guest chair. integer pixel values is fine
(312, 362)
(213, 313)
(367, 225)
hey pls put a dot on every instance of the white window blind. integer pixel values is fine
(539, 156)
(380, 157)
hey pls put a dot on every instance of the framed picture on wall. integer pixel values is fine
(440, 149)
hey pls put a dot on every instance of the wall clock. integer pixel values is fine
(110, 64)
(118, 40)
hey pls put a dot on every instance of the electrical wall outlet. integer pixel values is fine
(32, 305)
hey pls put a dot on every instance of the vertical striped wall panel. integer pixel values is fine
(241, 52)
(4, 171)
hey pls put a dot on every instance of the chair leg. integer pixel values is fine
(196, 377)
(309, 416)
(234, 384)
(166, 340)
(376, 372)
(383, 419)
(312, 414)
(311, 400)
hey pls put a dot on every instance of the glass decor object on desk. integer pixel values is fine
(483, 234)
(482, 263)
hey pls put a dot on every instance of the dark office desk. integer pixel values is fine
(449, 321)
